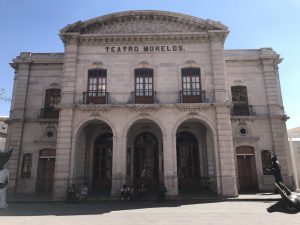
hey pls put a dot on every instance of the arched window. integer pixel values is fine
(191, 85)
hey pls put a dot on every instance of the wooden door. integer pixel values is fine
(246, 176)
(48, 174)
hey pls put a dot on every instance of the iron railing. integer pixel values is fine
(95, 97)
(49, 113)
(242, 109)
(188, 96)
(143, 97)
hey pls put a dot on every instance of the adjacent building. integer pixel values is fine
(147, 97)
(3, 132)
(294, 140)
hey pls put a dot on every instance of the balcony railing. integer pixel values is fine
(242, 109)
(95, 97)
(49, 113)
(144, 97)
(192, 96)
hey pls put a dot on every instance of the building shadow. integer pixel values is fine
(87, 208)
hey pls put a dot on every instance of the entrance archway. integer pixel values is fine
(46, 169)
(102, 163)
(195, 156)
(188, 165)
(92, 163)
(247, 177)
(146, 160)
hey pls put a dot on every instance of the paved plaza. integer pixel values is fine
(149, 212)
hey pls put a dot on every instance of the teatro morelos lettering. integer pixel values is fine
(144, 49)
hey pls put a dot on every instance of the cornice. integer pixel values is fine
(147, 38)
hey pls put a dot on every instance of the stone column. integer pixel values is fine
(17, 117)
(170, 165)
(224, 131)
(277, 117)
(65, 125)
(118, 165)
(226, 152)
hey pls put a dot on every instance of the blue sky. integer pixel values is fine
(33, 25)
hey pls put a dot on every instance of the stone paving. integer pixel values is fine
(150, 212)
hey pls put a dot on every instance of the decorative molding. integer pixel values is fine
(94, 108)
(193, 107)
(144, 107)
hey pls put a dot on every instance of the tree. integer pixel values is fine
(3, 97)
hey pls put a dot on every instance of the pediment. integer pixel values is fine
(143, 22)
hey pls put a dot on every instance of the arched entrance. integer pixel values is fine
(195, 156)
(92, 163)
(188, 165)
(146, 160)
(46, 169)
(102, 164)
(246, 169)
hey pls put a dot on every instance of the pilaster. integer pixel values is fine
(118, 165)
(218, 68)
(18, 108)
(65, 125)
(226, 152)
(170, 165)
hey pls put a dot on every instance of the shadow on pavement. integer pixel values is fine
(281, 207)
(86, 208)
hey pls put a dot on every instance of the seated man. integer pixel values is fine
(83, 192)
(71, 193)
(125, 192)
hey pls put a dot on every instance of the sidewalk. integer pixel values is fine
(46, 198)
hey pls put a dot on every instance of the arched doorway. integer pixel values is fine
(146, 169)
(102, 165)
(46, 169)
(188, 165)
(246, 168)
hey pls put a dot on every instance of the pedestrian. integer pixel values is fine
(141, 192)
(161, 192)
(83, 193)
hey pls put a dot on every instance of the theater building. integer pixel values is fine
(146, 97)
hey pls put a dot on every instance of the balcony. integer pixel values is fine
(49, 113)
(192, 97)
(242, 109)
(95, 97)
(143, 97)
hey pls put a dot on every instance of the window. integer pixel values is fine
(239, 94)
(97, 87)
(26, 165)
(52, 98)
(191, 85)
(266, 161)
(240, 101)
(144, 86)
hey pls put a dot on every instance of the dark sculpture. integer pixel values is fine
(292, 202)
(4, 157)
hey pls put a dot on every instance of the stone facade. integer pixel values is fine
(166, 43)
